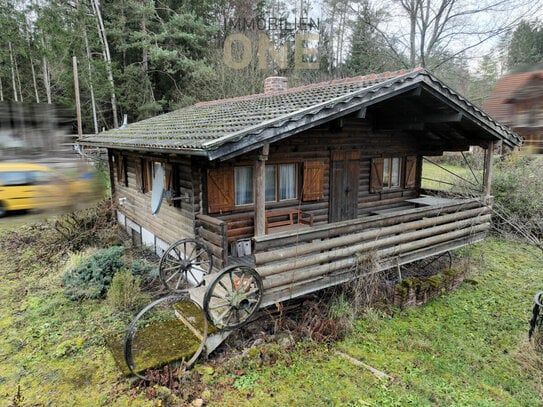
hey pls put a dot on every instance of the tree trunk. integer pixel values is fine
(34, 82)
(1, 91)
(107, 59)
(91, 85)
(46, 76)
(13, 81)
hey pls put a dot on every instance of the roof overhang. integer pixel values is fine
(360, 101)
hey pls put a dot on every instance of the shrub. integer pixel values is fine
(516, 185)
(92, 275)
(124, 293)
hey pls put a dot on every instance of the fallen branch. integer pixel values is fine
(378, 373)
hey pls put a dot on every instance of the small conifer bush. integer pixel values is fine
(93, 274)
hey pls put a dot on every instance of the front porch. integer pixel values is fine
(295, 262)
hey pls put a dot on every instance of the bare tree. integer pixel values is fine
(432, 32)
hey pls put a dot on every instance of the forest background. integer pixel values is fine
(140, 58)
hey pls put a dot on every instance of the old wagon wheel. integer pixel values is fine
(536, 323)
(233, 297)
(170, 330)
(184, 264)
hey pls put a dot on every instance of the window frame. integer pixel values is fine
(277, 182)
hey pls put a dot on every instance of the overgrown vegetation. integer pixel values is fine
(517, 186)
(468, 347)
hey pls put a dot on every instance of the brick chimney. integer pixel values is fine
(275, 84)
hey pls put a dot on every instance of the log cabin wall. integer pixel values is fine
(319, 144)
(174, 220)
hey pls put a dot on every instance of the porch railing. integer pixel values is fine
(295, 263)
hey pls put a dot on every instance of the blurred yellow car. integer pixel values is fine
(25, 186)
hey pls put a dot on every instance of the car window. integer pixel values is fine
(15, 178)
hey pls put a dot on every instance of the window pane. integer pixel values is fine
(395, 175)
(287, 181)
(271, 183)
(243, 180)
(15, 178)
(386, 173)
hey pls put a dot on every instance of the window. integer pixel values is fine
(281, 182)
(228, 187)
(392, 173)
(243, 185)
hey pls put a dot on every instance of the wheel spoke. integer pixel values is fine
(172, 276)
(217, 306)
(181, 275)
(172, 268)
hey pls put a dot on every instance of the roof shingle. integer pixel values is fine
(208, 125)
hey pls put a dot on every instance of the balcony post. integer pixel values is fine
(260, 191)
(487, 180)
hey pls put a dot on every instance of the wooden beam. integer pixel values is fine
(260, 191)
(487, 184)
(417, 121)
(362, 113)
(443, 118)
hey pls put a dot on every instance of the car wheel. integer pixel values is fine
(2, 209)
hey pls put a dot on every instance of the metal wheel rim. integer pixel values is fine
(233, 297)
(179, 262)
(129, 337)
(538, 299)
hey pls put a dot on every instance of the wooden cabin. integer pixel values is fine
(302, 183)
(517, 101)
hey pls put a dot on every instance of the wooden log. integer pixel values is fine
(263, 243)
(304, 249)
(210, 236)
(211, 220)
(299, 274)
(365, 246)
(309, 285)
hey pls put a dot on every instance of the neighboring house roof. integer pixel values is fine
(226, 128)
(498, 104)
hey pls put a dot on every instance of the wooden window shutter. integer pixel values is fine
(220, 189)
(139, 175)
(376, 175)
(147, 175)
(168, 183)
(313, 184)
(410, 171)
(121, 170)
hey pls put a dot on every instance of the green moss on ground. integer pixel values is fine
(468, 347)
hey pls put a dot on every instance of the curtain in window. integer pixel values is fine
(386, 173)
(271, 181)
(395, 178)
(287, 181)
(243, 180)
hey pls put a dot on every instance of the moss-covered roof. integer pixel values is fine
(214, 128)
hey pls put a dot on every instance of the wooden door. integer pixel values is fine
(344, 180)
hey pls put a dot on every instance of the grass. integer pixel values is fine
(440, 177)
(465, 348)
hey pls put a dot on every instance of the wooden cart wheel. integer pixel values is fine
(233, 297)
(184, 264)
(161, 334)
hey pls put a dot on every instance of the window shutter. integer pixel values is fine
(168, 183)
(139, 175)
(376, 175)
(313, 185)
(410, 171)
(147, 175)
(121, 170)
(220, 189)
